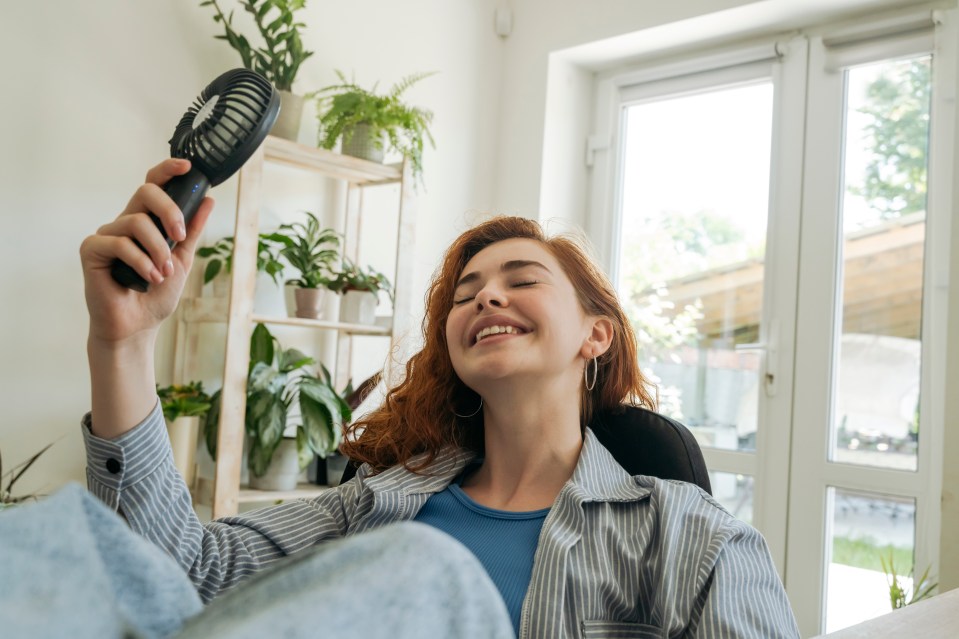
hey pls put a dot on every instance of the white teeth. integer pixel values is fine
(495, 330)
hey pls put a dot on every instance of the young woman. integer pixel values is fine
(486, 439)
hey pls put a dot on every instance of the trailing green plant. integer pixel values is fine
(220, 258)
(280, 58)
(341, 107)
(309, 248)
(350, 277)
(279, 377)
(7, 498)
(183, 400)
(921, 588)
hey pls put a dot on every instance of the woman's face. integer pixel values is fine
(516, 316)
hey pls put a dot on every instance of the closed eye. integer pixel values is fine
(524, 283)
(462, 301)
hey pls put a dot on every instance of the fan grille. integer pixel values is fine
(226, 123)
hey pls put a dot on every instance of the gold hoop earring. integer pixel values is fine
(590, 386)
(473, 413)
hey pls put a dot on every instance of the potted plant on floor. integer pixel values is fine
(279, 59)
(370, 124)
(184, 405)
(219, 258)
(360, 289)
(279, 377)
(311, 250)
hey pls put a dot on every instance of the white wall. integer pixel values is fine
(91, 94)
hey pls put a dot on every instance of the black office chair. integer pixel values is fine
(644, 443)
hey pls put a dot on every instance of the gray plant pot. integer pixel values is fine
(335, 465)
(360, 145)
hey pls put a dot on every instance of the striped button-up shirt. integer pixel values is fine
(618, 556)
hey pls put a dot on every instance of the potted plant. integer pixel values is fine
(360, 290)
(183, 407)
(370, 124)
(277, 378)
(7, 498)
(310, 249)
(279, 59)
(220, 259)
(921, 589)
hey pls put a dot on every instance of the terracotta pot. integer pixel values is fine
(309, 302)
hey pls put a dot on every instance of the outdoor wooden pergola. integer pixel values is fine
(882, 286)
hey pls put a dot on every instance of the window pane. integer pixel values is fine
(876, 417)
(866, 530)
(692, 243)
(734, 492)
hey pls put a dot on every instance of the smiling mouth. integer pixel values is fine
(497, 330)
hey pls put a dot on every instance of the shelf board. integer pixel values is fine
(203, 493)
(214, 309)
(331, 164)
(354, 329)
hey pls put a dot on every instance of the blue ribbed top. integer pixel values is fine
(503, 541)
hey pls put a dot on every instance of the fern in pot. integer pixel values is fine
(280, 57)
(370, 124)
(278, 378)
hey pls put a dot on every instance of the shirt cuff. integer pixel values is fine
(116, 464)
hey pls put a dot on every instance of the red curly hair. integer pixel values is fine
(420, 414)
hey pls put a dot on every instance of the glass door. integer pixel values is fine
(863, 476)
(705, 178)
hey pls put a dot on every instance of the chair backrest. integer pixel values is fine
(647, 443)
(643, 443)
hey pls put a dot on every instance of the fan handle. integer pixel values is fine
(187, 191)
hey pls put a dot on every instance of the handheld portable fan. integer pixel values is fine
(218, 133)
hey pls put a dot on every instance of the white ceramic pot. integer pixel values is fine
(358, 307)
(283, 471)
(287, 124)
(183, 432)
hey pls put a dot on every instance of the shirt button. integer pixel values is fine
(114, 466)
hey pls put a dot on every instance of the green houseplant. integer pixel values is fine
(360, 288)
(183, 400)
(311, 250)
(279, 377)
(280, 57)
(219, 258)
(370, 124)
(921, 588)
(184, 405)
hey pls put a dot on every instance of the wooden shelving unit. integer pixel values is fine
(238, 312)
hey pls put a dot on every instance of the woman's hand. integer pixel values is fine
(123, 322)
(117, 313)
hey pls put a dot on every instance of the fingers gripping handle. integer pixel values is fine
(188, 192)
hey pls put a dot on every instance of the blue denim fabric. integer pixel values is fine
(70, 567)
